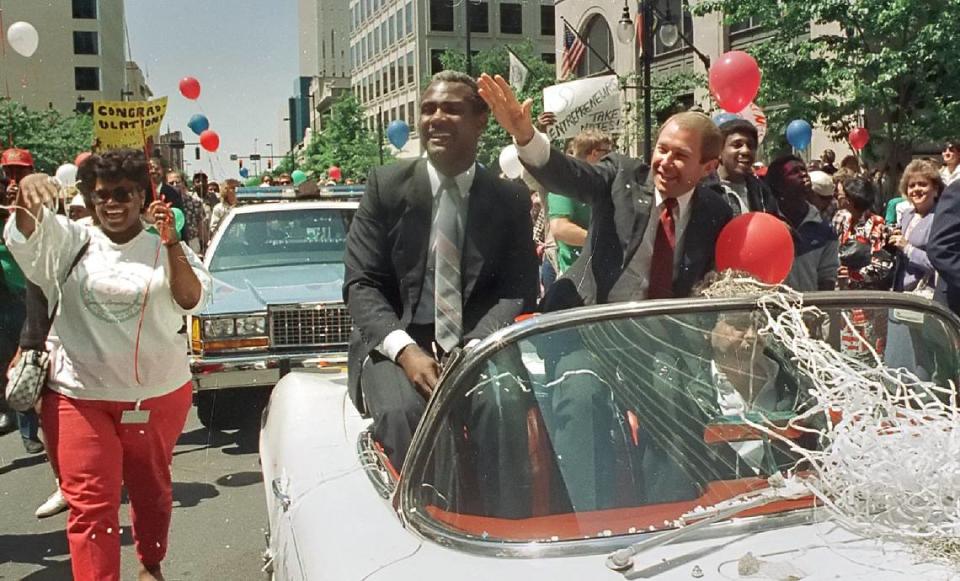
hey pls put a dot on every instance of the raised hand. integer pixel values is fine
(36, 191)
(512, 115)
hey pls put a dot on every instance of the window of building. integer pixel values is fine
(511, 19)
(597, 35)
(85, 42)
(376, 42)
(386, 78)
(479, 16)
(393, 76)
(436, 65)
(383, 35)
(410, 68)
(547, 25)
(549, 57)
(86, 78)
(376, 86)
(441, 15)
(408, 17)
(680, 17)
(412, 114)
(84, 8)
(745, 25)
(393, 29)
(401, 73)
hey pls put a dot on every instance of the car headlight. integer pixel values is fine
(247, 326)
(218, 328)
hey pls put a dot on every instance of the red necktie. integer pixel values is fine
(661, 267)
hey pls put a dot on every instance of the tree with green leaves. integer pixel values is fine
(892, 65)
(496, 61)
(53, 139)
(344, 142)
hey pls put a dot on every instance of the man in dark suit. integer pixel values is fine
(628, 200)
(440, 253)
(652, 235)
(943, 247)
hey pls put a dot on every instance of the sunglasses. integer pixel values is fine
(121, 195)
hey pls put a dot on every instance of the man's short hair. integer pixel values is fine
(741, 126)
(711, 140)
(231, 182)
(588, 140)
(828, 156)
(479, 105)
(776, 171)
(160, 162)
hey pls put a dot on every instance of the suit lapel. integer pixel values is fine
(417, 221)
(694, 241)
(643, 204)
(480, 217)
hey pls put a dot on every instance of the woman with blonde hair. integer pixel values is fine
(921, 185)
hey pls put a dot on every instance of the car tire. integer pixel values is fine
(227, 409)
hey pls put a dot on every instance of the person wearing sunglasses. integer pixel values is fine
(120, 387)
(950, 172)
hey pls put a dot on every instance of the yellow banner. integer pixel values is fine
(118, 124)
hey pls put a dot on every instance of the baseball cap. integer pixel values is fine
(822, 184)
(14, 156)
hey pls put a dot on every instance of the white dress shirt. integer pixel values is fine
(395, 341)
(537, 152)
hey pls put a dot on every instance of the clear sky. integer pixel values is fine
(243, 52)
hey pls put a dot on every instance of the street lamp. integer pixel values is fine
(669, 34)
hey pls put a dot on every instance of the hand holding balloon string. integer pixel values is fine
(162, 215)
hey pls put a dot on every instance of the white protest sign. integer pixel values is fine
(585, 103)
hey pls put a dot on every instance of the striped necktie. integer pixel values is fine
(447, 284)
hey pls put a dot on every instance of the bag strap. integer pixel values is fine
(37, 325)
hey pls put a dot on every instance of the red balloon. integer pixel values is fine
(81, 157)
(334, 173)
(734, 80)
(190, 88)
(859, 137)
(209, 140)
(757, 243)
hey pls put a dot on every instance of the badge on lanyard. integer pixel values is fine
(135, 416)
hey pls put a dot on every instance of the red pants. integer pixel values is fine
(94, 454)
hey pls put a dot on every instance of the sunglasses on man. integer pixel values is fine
(120, 194)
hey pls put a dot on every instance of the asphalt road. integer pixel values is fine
(219, 514)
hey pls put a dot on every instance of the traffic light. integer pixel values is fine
(239, 164)
(269, 163)
(196, 152)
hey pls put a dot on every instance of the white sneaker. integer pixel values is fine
(55, 504)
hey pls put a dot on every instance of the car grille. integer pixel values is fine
(323, 325)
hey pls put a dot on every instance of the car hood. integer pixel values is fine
(252, 289)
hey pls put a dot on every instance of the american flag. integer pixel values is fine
(573, 50)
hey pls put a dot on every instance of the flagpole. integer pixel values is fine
(603, 61)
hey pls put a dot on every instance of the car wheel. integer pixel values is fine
(227, 409)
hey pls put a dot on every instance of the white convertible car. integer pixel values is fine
(619, 450)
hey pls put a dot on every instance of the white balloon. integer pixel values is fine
(756, 116)
(23, 38)
(510, 162)
(67, 174)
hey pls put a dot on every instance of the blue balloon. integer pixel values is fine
(723, 117)
(799, 133)
(244, 172)
(198, 123)
(398, 132)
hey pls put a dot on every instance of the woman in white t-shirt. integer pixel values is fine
(119, 386)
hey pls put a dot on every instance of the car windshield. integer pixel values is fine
(622, 426)
(282, 238)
